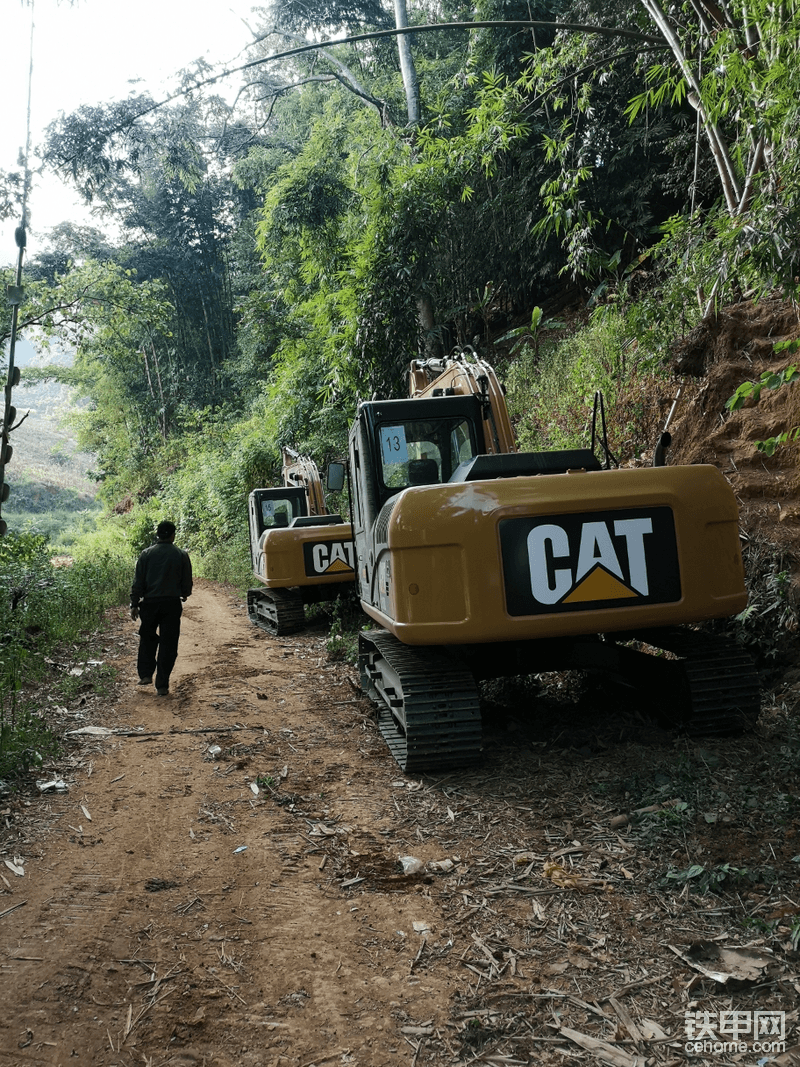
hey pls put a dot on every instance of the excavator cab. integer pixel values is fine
(272, 509)
(399, 444)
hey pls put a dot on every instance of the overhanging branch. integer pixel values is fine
(570, 27)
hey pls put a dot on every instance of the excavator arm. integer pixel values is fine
(302, 471)
(463, 373)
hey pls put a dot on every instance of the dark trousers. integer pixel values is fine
(159, 631)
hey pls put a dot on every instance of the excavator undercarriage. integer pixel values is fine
(278, 611)
(429, 704)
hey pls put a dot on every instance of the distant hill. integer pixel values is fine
(47, 470)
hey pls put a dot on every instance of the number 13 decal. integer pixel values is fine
(393, 444)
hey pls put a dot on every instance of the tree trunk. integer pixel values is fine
(717, 143)
(407, 68)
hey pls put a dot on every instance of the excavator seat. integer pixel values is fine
(423, 472)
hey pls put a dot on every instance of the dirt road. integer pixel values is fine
(222, 882)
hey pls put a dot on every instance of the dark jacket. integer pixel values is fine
(162, 570)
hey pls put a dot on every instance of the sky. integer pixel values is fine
(90, 52)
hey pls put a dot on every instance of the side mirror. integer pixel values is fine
(334, 480)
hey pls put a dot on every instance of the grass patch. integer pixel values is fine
(26, 742)
(346, 622)
(42, 606)
(551, 388)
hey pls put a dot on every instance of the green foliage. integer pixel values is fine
(752, 390)
(42, 605)
(605, 184)
(61, 514)
(716, 879)
(742, 76)
(551, 389)
(154, 322)
(529, 335)
(346, 622)
(768, 626)
(26, 741)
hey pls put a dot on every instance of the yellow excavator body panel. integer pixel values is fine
(304, 556)
(558, 555)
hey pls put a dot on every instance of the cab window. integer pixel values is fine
(275, 513)
(424, 452)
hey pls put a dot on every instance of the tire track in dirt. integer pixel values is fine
(148, 935)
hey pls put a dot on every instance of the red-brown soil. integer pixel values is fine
(168, 913)
(738, 347)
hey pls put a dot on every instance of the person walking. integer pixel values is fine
(161, 583)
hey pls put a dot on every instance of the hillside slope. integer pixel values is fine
(717, 358)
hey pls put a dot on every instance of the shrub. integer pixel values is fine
(40, 606)
(551, 390)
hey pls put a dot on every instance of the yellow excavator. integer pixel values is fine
(477, 561)
(300, 553)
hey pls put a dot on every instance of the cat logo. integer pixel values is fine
(329, 558)
(597, 560)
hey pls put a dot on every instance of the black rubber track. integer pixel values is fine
(721, 686)
(428, 707)
(278, 611)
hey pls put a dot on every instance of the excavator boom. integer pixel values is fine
(463, 373)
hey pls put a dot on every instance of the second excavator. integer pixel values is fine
(300, 553)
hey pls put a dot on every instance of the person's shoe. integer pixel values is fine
(145, 681)
(162, 692)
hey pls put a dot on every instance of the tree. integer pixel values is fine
(163, 178)
(738, 65)
(407, 67)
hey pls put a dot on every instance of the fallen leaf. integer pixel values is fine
(441, 865)
(651, 1031)
(739, 964)
(523, 858)
(602, 1050)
